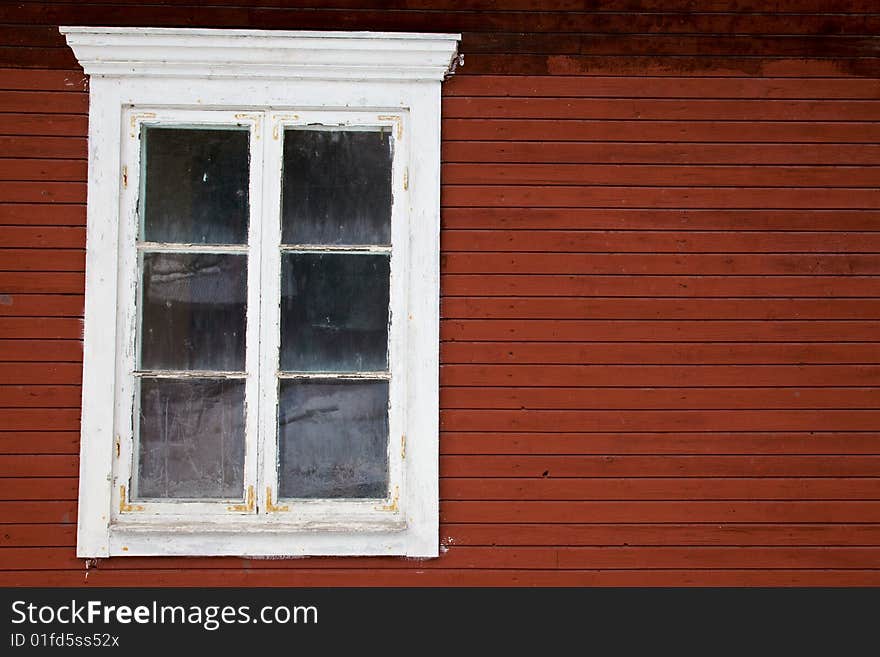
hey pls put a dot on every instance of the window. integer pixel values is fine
(261, 327)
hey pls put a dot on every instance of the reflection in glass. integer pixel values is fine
(193, 314)
(334, 312)
(195, 185)
(191, 439)
(333, 438)
(336, 187)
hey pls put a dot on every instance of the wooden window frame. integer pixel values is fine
(266, 81)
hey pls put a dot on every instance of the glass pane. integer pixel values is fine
(191, 440)
(334, 312)
(193, 314)
(336, 187)
(333, 438)
(195, 185)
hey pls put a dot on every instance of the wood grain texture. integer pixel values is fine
(660, 293)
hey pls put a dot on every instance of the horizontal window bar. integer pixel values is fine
(168, 247)
(189, 374)
(347, 376)
(332, 248)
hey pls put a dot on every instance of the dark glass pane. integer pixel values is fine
(336, 187)
(333, 438)
(191, 441)
(193, 311)
(334, 312)
(196, 185)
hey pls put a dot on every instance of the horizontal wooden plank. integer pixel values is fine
(659, 443)
(518, 196)
(489, 19)
(38, 488)
(196, 577)
(38, 535)
(660, 45)
(41, 305)
(689, 488)
(576, 420)
(563, 135)
(37, 419)
(51, 397)
(549, 285)
(561, 86)
(667, 309)
(28, 237)
(39, 442)
(43, 511)
(43, 192)
(653, 153)
(43, 260)
(45, 125)
(42, 214)
(39, 282)
(574, 465)
(709, 65)
(650, 375)
(569, 241)
(529, 398)
(41, 350)
(41, 373)
(49, 102)
(655, 512)
(48, 170)
(645, 263)
(43, 147)
(635, 535)
(660, 7)
(41, 327)
(653, 331)
(662, 109)
(511, 557)
(45, 465)
(561, 353)
(37, 80)
(635, 175)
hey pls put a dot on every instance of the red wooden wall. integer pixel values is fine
(661, 226)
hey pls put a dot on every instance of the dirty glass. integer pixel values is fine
(195, 185)
(336, 187)
(191, 439)
(332, 439)
(334, 312)
(193, 315)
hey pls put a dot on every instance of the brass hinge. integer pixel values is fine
(124, 506)
(272, 508)
(403, 446)
(125, 176)
(406, 178)
(248, 506)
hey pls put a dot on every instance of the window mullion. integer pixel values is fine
(252, 358)
(270, 295)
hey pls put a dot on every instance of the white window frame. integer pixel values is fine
(264, 80)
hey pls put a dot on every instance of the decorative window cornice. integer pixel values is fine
(283, 55)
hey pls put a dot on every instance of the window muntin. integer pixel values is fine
(227, 332)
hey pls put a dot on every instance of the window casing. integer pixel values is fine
(343, 83)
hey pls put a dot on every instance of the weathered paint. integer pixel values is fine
(704, 297)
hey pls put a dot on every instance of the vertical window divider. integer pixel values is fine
(270, 291)
(254, 308)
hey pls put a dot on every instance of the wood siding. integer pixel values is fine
(660, 292)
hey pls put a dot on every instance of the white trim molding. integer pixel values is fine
(264, 82)
(207, 53)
